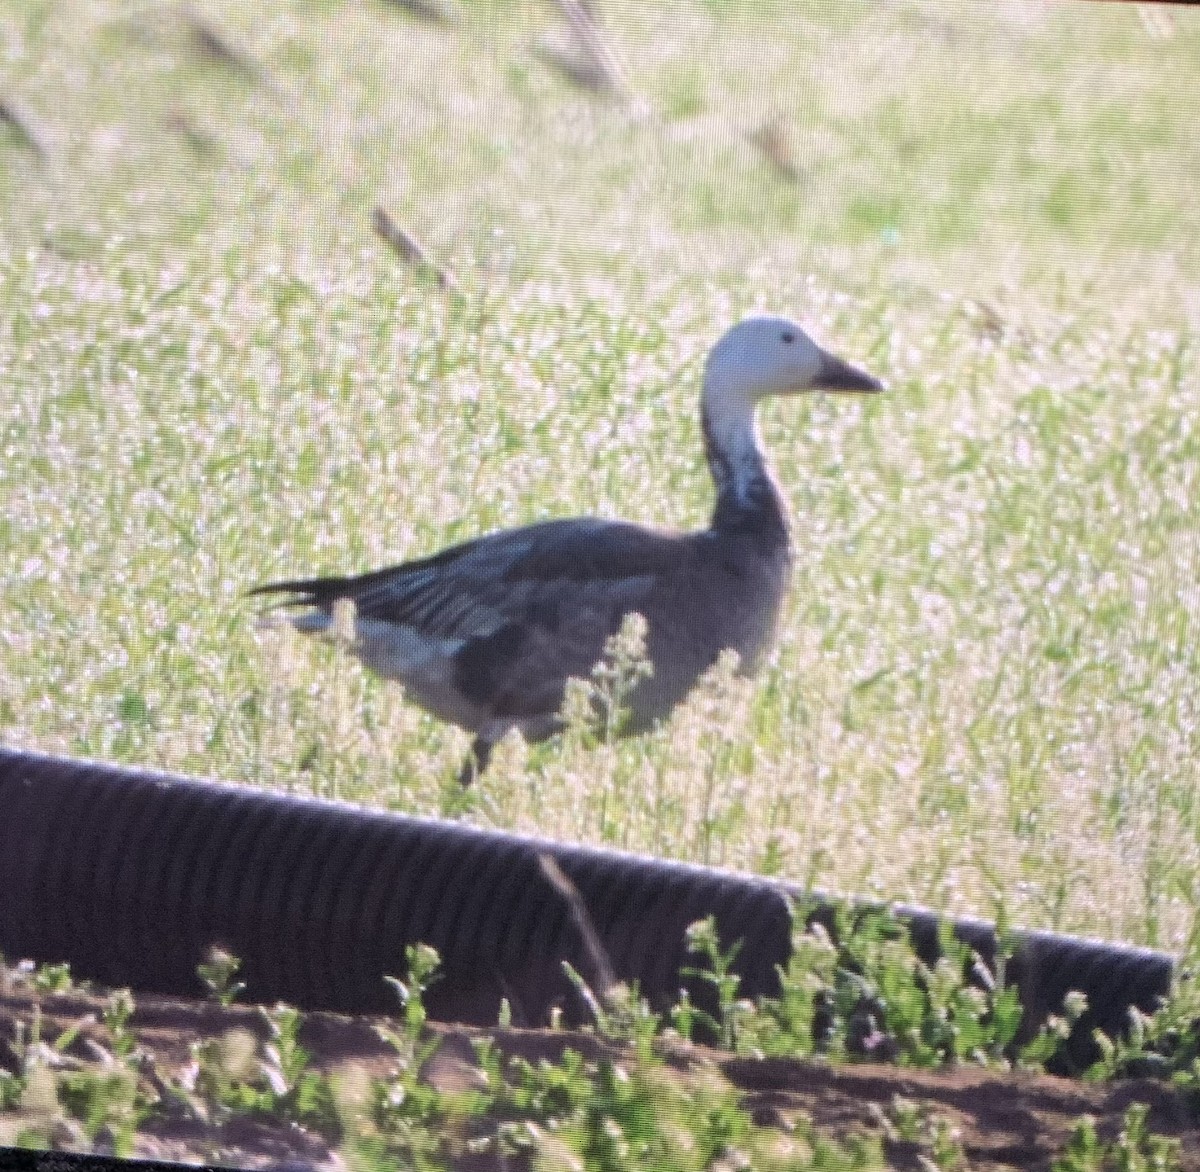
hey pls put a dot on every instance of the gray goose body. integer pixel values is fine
(485, 634)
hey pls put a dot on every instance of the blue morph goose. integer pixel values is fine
(485, 634)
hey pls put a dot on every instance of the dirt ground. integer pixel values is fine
(1006, 1121)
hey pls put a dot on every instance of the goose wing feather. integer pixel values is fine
(571, 574)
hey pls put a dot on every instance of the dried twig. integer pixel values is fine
(22, 128)
(212, 42)
(986, 318)
(591, 63)
(773, 140)
(199, 139)
(434, 11)
(219, 46)
(409, 249)
(592, 944)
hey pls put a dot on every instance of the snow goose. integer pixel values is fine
(486, 633)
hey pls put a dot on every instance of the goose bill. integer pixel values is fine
(836, 375)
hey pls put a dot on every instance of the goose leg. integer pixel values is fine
(534, 728)
(476, 760)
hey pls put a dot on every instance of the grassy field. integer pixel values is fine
(214, 374)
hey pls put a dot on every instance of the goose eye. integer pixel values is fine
(788, 336)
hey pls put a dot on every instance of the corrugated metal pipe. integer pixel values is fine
(132, 876)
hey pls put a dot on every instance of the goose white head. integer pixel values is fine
(758, 357)
(763, 356)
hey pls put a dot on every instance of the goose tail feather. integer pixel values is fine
(304, 591)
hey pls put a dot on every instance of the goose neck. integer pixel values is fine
(731, 441)
(745, 488)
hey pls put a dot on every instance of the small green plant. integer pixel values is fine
(301, 1093)
(914, 1123)
(1136, 1149)
(704, 941)
(224, 1076)
(1050, 1039)
(864, 992)
(11, 1086)
(117, 1012)
(423, 962)
(52, 978)
(218, 972)
(31, 1055)
(1084, 1151)
(611, 1115)
(405, 1119)
(68, 1097)
(594, 710)
(111, 1098)
(106, 1099)
(1165, 1044)
(624, 665)
(231, 1075)
(620, 1013)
